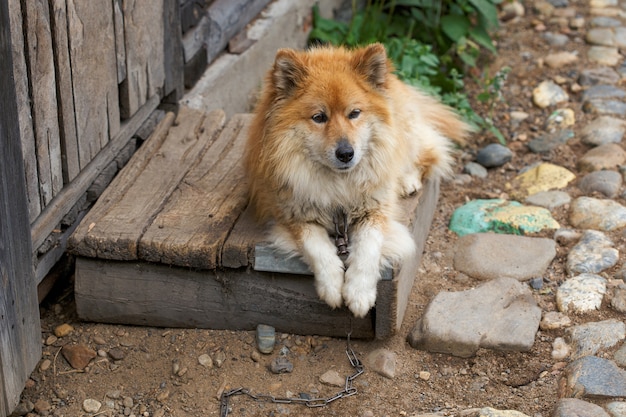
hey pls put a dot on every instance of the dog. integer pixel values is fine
(337, 139)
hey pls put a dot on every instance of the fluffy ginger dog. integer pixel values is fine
(336, 140)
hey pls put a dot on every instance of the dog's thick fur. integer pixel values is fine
(336, 130)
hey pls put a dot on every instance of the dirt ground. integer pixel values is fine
(159, 367)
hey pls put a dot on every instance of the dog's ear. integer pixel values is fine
(288, 71)
(371, 62)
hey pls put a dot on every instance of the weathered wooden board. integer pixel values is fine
(67, 120)
(120, 42)
(173, 63)
(114, 226)
(27, 135)
(194, 223)
(44, 98)
(94, 75)
(148, 294)
(20, 332)
(144, 38)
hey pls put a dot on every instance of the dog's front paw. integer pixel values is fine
(410, 185)
(328, 283)
(359, 292)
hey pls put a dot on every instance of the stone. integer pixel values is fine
(617, 298)
(616, 408)
(63, 330)
(500, 314)
(560, 119)
(41, 406)
(553, 320)
(475, 170)
(602, 3)
(549, 141)
(607, 36)
(581, 293)
(565, 236)
(606, 107)
(573, 407)
(488, 256)
(45, 365)
(604, 55)
(91, 405)
(494, 155)
(543, 8)
(219, 358)
(518, 116)
(492, 412)
(281, 365)
(548, 199)
(500, 216)
(117, 354)
(332, 377)
(23, 408)
(603, 130)
(78, 356)
(593, 377)
(542, 177)
(547, 93)
(607, 183)
(592, 254)
(555, 39)
(602, 91)
(609, 156)
(560, 349)
(599, 75)
(620, 356)
(597, 214)
(589, 338)
(265, 338)
(383, 362)
(560, 59)
(205, 360)
(604, 21)
(99, 340)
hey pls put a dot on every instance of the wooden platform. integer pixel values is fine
(170, 243)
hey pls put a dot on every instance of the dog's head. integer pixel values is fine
(333, 100)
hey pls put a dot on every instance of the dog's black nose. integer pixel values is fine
(344, 151)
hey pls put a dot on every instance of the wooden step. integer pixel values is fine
(170, 243)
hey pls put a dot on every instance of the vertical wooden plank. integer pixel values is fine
(67, 120)
(44, 99)
(94, 74)
(20, 346)
(145, 73)
(27, 135)
(120, 47)
(173, 51)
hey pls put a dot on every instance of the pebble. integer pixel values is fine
(492, 412)
(607, 107)
(618, 298)
(560, 119)
(547, 93)
(332, 377)
(604, 21)
(41, 406)
(603, 130)
(51, 340)
(604, 182)
(488, 256)
(265, 338)
(550, 141)
(598, 214)
(553, 320)
(383, 362)
(99, 340)
(560, 59)
(494, 155)
(548, 199)
(91, 405)
(424, 375)
(599, 75)
(45, 365)
(560, 349)
(569, 407)
(616, 408)
(620, 356)
(555, 39)
(117, 354)
(592, 254)
(593, 377)
(205, 360)
(602, 91)
(78, 356)
(581, 293)
(63, 330)
(281, 365)
(604, 55)
(589, 338)
(219, 358)
(475, 170)
(607, 36)
(542, 177)
(500, 314)
(566, 236)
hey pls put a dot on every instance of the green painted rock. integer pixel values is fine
(500, 216)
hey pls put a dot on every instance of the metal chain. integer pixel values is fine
(348, 390)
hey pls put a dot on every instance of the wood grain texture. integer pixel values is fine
(148, 294)
(115, 225)
(120, 41)
(20, 332)
(27, 135)
(238, 250)
(173, 62)
(44, 99)
(94, 75)
(191, 228)
(144, 37)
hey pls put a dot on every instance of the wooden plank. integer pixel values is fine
(142, 293)
(120, 42)
(173, 63)
(71, 193)
(197, 218)
(44, 99)
(238, 250)
(94, 75)
(67, 121)
(115, 225)
(27, 135)
(145, 71)
(20, 334)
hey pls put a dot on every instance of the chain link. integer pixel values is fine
(348, 390)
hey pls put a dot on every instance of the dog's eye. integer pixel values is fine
(354, 114)
(320, 118)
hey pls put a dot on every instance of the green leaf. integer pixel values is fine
(480, 35)
(488, 10)
(455, 26)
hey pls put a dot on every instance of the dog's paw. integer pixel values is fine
(359, 292)
(328, 284)
(410, 185)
